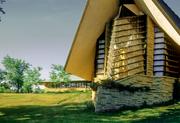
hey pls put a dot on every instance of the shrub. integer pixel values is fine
(32, 88)
(27, 88)
(2, 89)
(94, 86)
(89, 105)
(110, 84)
(37, 89)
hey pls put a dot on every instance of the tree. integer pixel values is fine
(31, 77)
(1, 9)
(14, 71)
(3, 83)
(58, 74)
(2, 75)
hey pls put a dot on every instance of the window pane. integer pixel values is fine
(100, 61)
(159, 57)
(101, 46)
(159, 34)
(101, 56)
(100, 66)
(159, 68)
(101, 41)
(158, 73)
(158, 62)
(161, 51)
(159, 46)
(101, 51)
(159, 40)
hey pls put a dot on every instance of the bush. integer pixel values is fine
(27, 88)
(94, 86)
(89, 105)
(2, 89)
(31, 88)
(38, 90)
(110, 84)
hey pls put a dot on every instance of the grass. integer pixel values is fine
(71, 108)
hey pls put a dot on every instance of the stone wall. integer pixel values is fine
(160, 91)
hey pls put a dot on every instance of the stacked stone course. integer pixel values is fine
(161, 91)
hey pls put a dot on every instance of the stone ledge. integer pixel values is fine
(161, 91)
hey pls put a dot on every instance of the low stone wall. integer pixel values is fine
(160, 91)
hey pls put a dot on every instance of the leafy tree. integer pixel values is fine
(58, 74)
(15, 69)
(3, 83)
(2, 75)
(31, 77)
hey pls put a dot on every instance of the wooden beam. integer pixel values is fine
(150, 47)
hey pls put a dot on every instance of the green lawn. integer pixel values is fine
(71, 108)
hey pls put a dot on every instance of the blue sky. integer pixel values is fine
(41, 31)
(174, 5)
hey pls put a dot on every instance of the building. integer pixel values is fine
(135, 43)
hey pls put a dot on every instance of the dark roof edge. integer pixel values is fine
(170, 12)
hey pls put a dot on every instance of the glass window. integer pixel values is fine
(101, 56)
(101, 51)
(159, 57)
(101, 46)
(159, 68)
(158, 73)
(100, 66)
(100, 61)
(101, 41)
(159, 40)
(159, 46)
(158, 62)
(161, 51)
(159, 35)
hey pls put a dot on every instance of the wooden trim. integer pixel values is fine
(150, 47)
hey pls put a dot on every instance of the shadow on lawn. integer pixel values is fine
(172, 115)
(77, 113)
(74, 112)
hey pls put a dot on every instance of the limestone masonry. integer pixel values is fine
(161, 90)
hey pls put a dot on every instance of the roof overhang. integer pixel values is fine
(97, 13)
(80, 61)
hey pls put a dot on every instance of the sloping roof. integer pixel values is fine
(97, 13)
(80, 61)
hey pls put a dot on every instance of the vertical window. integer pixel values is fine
(100, 55)
(166, 57)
